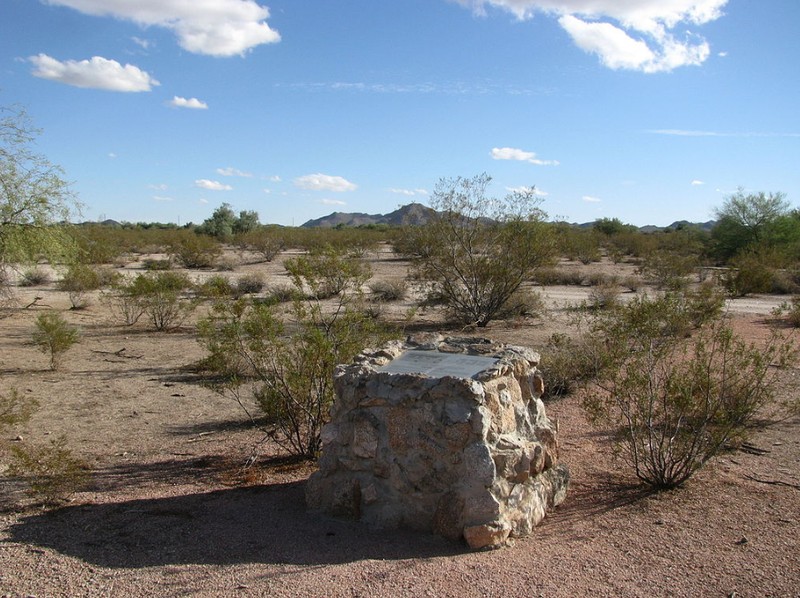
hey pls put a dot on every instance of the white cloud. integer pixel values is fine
(162, 198)
(615, 48)
(722, 54)
(158, 187)
(654, 49)
(95, 73)
(202, 200)
(511, 153)
(212, 185)
(112, 155)
(333, 202)
(231, 171)
(408, 192)
(591, 199)
(142, 43)
(274, 179)
(324, 182)
(524, 190)
(193, 103)
(696, 183)
(213, 27)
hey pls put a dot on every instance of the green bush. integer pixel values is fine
(327, 273)
(78, 280)
(194, 250)
(34, 277)
(51, 471)
(394, 289)
(668, 269)
(673, 403)
(250, 284)
(55, 336)
(748, 274)
(158, 295)
(286, 368)
(215, 287)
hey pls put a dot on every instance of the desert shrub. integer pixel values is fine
(158, 295)
(51, 471)
(215, 286)
(632, 283)
(748, 274)
(287, 368)
(157, 265)
(264, 241)
(97, 244)
(784, 282)
(668, 269)
(34, 277)
(78, 280)
(674, 403)
(394, 289)
(790, 310)
(552, 276)
(524, 303)
(194, 250)
(281, 293)
(327, 273)
(476, 251)
(567, 363)
(250, 284)
(55, 336)
(605, 296)
(15, 409)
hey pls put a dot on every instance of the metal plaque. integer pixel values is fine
(438, 365)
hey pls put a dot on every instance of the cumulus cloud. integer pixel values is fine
(212, 185)
(511, 153)
(631, 34)
(591, 199)
(333, 202)
(231, 171)
(324, 182)
(193, 103)
(212, 27)
(696, 183)
(95, 73)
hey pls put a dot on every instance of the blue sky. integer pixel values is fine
(650, 111)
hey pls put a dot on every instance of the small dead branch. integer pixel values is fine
(35, 303)
(772, 482)
(199, 437)
(753, 449)
(120, 353)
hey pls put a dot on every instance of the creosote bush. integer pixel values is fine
(160, 296)
(283, 365)
(674, 402)
(476, 251)
(55, 336)
(50, 472)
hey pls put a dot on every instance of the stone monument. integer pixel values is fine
(442, 434)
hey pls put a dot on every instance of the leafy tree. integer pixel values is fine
(476, 251)
(224, 223)
(246, 222)
(612, 226)
(35, 200)
(752, 221)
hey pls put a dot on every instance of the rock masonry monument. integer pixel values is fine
(442, 434)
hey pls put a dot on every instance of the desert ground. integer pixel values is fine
(171, 509)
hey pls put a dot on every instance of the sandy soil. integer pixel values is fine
(171, 511)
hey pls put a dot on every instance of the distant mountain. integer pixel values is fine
(408, 215)
(415, 214)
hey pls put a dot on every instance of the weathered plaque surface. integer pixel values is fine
(438, 365)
